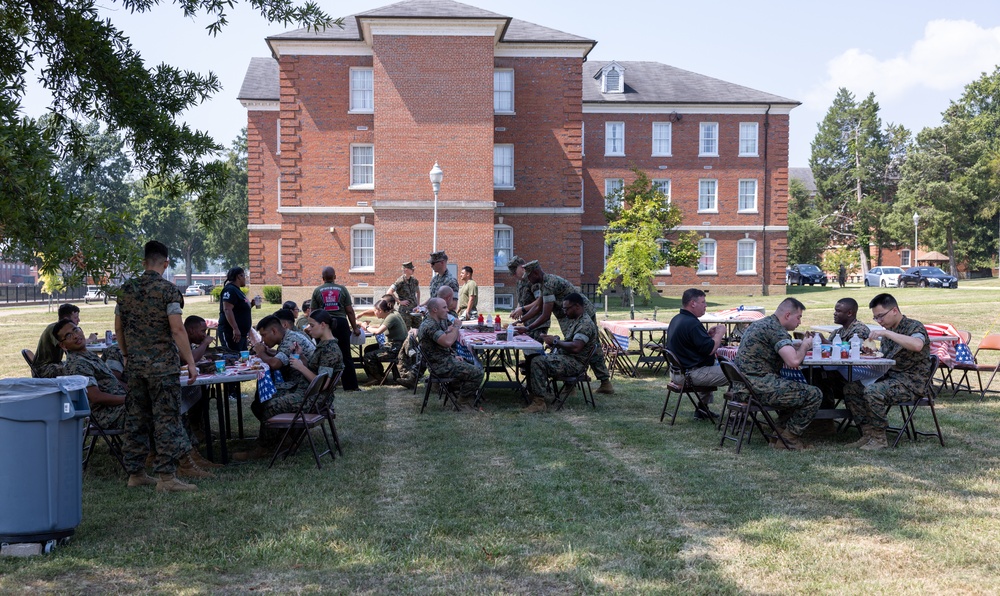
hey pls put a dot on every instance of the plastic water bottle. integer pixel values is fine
(817, 347)
(835, 353)
(497, 325)
(510, 332)
(855, 347)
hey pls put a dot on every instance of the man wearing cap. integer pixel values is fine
(525, 297)
(406, 289)
(442, 277)
(468, 298)
(552, 290)
(335, 299)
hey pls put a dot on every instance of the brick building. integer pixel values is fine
(344, 126)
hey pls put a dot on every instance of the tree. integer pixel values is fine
(94, 73)
(161, 216)
(228, 240)
(806, 237)
(640, 224)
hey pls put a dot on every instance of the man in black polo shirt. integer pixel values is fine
(695, 348)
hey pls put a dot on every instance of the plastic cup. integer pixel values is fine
(220, 366)
(295, 356)
(244, 355)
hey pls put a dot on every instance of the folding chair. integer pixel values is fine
(29, 357)
(674, 368)
(302, 421)
(580, 380)
(616, 357)
(990, 342)
(443, 387)
(956, 362)
(324, 405)
(736, 412)
(909, 408)
(112, 438)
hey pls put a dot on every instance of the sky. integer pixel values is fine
(916, 56)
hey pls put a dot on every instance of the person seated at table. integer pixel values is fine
(552, 290)
(286, 317)
(289, 383)
(370, 312)
(327, 357)
(48, 354)
(105, 392)
(303, 321)
(695, 348)
(395, 334)
(904, 340)
(766, 348)
(468, 296)
(845, 314)
(437, 343)
(572, 355)
(410, 368)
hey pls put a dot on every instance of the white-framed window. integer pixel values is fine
(362, 90)
(747, 202)
(503, 166)
(748, 139)
(612, 185)
(708, 139)
(662, 185)
(362, 300)
(664, 249)
(363, 247)
(746, 257)
(503, 90)
(706, 263)
(662, 139)
(613, 81)
(708, 196)
(503, 302)
(503, 245)
(614, 138)
(904, 258)
(362, 166)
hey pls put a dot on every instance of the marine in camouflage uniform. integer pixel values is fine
(112, 356)
(153, 402)
(293, 385)
(852, 391)
(444, 279)
(444, 362)
(407, 289)
(99, 375)
(759, 360)
(525, 296)
(545, 366)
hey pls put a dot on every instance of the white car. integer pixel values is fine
(94, 294)
(194, 291)
(884, 277)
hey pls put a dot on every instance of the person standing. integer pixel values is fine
(336, 300)
(406, 289)
(441, 277)
(525, 297)
(842, 275)
(150, 334)
(468, 297)
(234, 312)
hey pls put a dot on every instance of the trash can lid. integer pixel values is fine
(12, 390)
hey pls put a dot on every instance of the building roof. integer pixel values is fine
(653, 82)
(805, 176)
(261, 81)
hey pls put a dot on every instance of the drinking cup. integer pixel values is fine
(220, 366)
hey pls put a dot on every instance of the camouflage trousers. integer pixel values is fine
(109, 417)
(375, 355)
(798, 401)
(871, 406)
(408, 362)
(411, 320)
(468, 378)
(597, 364)
(153, 407)
(544, 366)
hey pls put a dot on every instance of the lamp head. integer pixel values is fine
(436, 175)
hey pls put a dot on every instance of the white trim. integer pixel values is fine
(756, 141)
(319, 47)
(261, 105)
(539, 211)
(542, 50)
(277, 131)
(278, 246)
(405, 205)
(753, 229)
(666, 108)
(318, 210)
(431, 28)
(264, 227)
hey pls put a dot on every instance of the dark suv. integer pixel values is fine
(927, 277)
(800, 275)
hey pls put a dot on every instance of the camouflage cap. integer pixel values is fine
(408, 265)
(531, 266)
(513, 263)
(437, 257)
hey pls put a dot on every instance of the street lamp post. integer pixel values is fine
(916, 221)
(436, 176)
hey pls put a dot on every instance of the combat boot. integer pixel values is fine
(408, 381)
(203, 463)
(793, 442)
(150, 459)
(877, 440)
(140, 479)
(169, 483)
(537, 405)
(866, 435)
(188, 469)
(606, 387)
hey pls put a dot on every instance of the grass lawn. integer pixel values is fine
(580, 501)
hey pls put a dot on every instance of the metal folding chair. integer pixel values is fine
(617, 358)
(443, 387)
(29, 357)
(302, 421)
(737, 412)
(988, 343)
(674, 368)
(580, 380)
(112, 438)
(909, 408)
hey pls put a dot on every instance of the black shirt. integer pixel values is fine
(241, 312)
(689, 341)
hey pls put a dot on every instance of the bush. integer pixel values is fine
(272, 294)
(216, 293)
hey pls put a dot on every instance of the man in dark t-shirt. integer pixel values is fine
(695, 348)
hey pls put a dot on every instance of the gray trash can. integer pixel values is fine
(41, 457)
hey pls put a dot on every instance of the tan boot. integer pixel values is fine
(537, 405)
(169, 483)
(203, 463)
(140, 479)
(606, 387)
(150, 459)
(792, 440)
(188, 469)
(866, 435)
(877, 440)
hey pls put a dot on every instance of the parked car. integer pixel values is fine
(885, 277)
(94, 294)
(194, 291)
(927, 277)
(800, 275)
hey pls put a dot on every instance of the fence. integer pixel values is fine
(22, 294)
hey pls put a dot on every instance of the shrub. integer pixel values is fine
(216, 293)
(272, 294)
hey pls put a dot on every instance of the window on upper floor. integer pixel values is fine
(612, 80)
(708, 196)
(747, 202)
(362, 90)
(748, 139)
(503, 91)
(362, 166)
(662, 139)
(363, 247)
(614, 138)
(664, 250)
(503, 245)
(708, 139)
(746, 256)
(662, 185)
(706, 263)
(612, 198)
(503, 166)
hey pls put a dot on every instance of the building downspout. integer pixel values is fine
(767, 207)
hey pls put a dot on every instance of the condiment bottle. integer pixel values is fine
(497, 325)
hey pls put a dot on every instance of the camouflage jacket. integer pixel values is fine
(445, 279)
(758, 352)
(327, 358)
(406, 289)
(293, 379)
(145, 304)
(846, 333)
(554, 289)
(88, 364)
(913, 365)
(435, 355)
(585, 330)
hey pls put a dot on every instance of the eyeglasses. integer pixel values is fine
(71, 333)
(878, 318)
